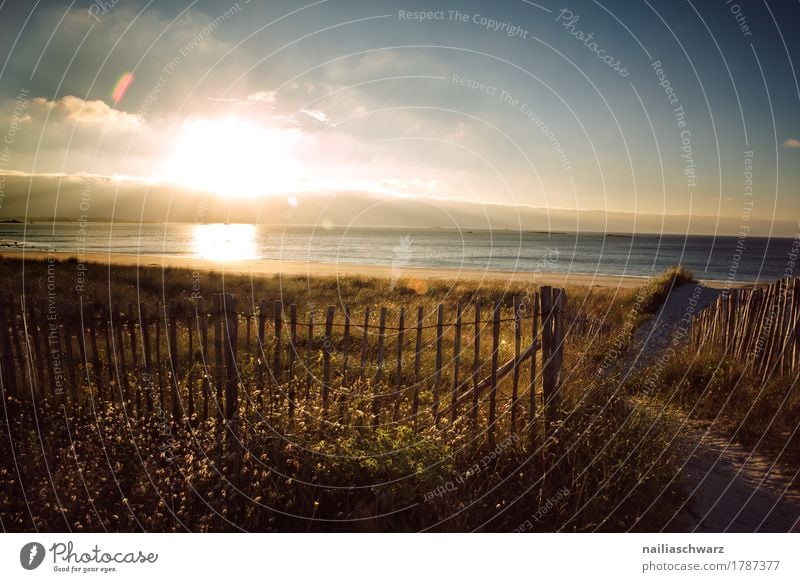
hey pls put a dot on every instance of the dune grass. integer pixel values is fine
(599, 467)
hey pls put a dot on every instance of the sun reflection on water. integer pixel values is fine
(225, 242)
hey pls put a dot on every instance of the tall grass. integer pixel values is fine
(97, 468)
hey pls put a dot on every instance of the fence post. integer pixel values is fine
(326, 358)
(417, 360)
(205, 387)
(35, 337)
(262, 352)
(292, 355)
(231, 344)
(144, 328)
(532, 381)
(8, 375)
(398, 374)
(346, 345)
(219, 372)
(278, 318)
(476, 366)
(376, 391)
(558, 328)
(159, 316)
(548, 363)
(174, 313)
(493, 392)
(119, 352)
(309, 350)
(456, 365)
(517, 348)
(364, 343)
(190, 358)
(437, 374)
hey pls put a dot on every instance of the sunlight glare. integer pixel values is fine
(225, 242)
(232, 157)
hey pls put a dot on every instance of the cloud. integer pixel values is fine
(95, 112)
(262, 97)
(316, 114)
(792, 142)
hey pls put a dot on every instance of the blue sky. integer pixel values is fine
(505, 103)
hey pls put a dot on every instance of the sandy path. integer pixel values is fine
(727, 486)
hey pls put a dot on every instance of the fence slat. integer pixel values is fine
(346, 346)
(417, 360)
(398, 373)
(517, 350)
(309, 351)
(493, 387)
(376, 391)
(292, 355)
(277, 316)
(326, 358)
(476, 366)
(456, 365)
(532, 379)
(364, 344)
(437, 373)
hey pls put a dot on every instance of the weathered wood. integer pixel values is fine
(437, 372)
(277, 316)
(346, 346)
(44, 325)
(131, 319)
(149, 382)
(456, 365)
(173, 316)
(23, 357)
(398, 372)
(205, 387)
(71, 365)
(7, 364)
(248, 316)
(219, 358)
(97, 367)
(493, 387)
(560, 306)
(292, 355)
(326, 358)
(190, 324)
(376, 388)
(309, 350)
(476, 365)
(532, 379)
(34, 336)
(103, 318)
(161, 391)
(260, 336)
(517, 350)
(417, 359)
(364, 346)
(231, 343)
(548, 363)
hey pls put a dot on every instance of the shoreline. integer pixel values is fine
(269, 268)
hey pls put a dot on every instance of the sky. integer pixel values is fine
(652, 115)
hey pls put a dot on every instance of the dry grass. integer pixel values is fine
(599, 467)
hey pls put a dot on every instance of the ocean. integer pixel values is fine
(719, 258)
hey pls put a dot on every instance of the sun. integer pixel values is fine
(232, 157)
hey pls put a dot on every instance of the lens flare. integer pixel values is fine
(121, 87)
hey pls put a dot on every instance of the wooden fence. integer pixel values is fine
(760, 327)
(191, 361)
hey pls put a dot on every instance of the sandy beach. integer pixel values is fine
(262, 268)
